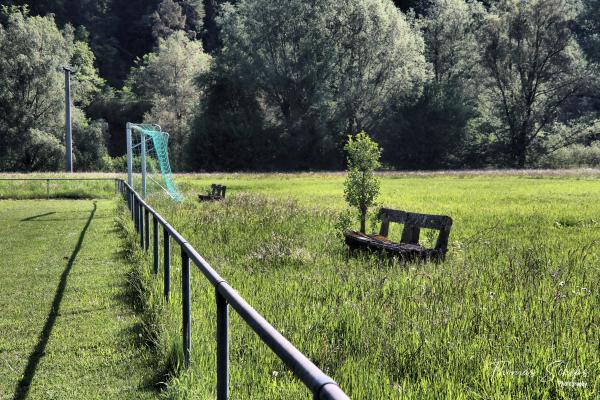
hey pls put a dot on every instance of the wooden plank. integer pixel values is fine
(405, 251)
(385, 226)
(410, 234)
(442, 240)
(420, 220)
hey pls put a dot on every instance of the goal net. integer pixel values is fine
(148, 167)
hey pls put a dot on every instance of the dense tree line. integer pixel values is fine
(264, 85)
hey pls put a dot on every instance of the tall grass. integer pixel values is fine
(512, 313)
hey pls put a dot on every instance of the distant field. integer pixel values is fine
(28, 186)
(513, 313)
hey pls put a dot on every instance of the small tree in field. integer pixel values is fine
(361, 186)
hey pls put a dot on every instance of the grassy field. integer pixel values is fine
(67, 330)
(26, 186)
(512, 313)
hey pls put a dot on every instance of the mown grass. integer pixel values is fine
(67, 328)
(512, 312)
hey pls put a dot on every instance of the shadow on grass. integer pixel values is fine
(22, 388)
(37, 216)
(65, 219)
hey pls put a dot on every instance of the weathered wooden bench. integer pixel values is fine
(408, 248)
(217, 192)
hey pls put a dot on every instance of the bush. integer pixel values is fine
(574, 156)
(119, 164)
(43, 151)
(89, 145)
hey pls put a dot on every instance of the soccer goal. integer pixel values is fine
(148, 152)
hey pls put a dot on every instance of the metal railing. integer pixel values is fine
(321, 385)
(115, 180)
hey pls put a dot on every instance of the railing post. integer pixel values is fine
(167, 262)
(131, 204)
(135, 209)
(222, 347)
(141, 219)
(155, 244)
(146, 229)
(186, 307)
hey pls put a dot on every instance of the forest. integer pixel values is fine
(262, 85)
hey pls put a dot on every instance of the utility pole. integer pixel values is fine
(129, 155)
(143, 160)
(68, 131)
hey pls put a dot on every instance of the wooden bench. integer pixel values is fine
(217, 192)
(408, 248)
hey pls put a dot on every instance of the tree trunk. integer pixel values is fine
(363, 220)
(522, 159)
(521, 155)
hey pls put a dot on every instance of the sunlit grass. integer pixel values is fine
(36, 186)
(66, 330)
(512, 312)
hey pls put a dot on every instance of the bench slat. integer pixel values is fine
(410, 234)
(438, 222)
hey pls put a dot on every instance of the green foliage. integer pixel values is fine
(42, 151)
(33, 52)
(89, 145)
(450, 29)
(448, 84)
(117, 107)
(362, 153)
(32, 94)
(344, 221)
(194, 17)
(229, 133)
(167, 19)
(589, 35)
(174, 15)
(108, 164)
(574, 156)
(434, 130)
(533, 66)
(322, 68)
(165, 79)
(361, 187)
(86, 83)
